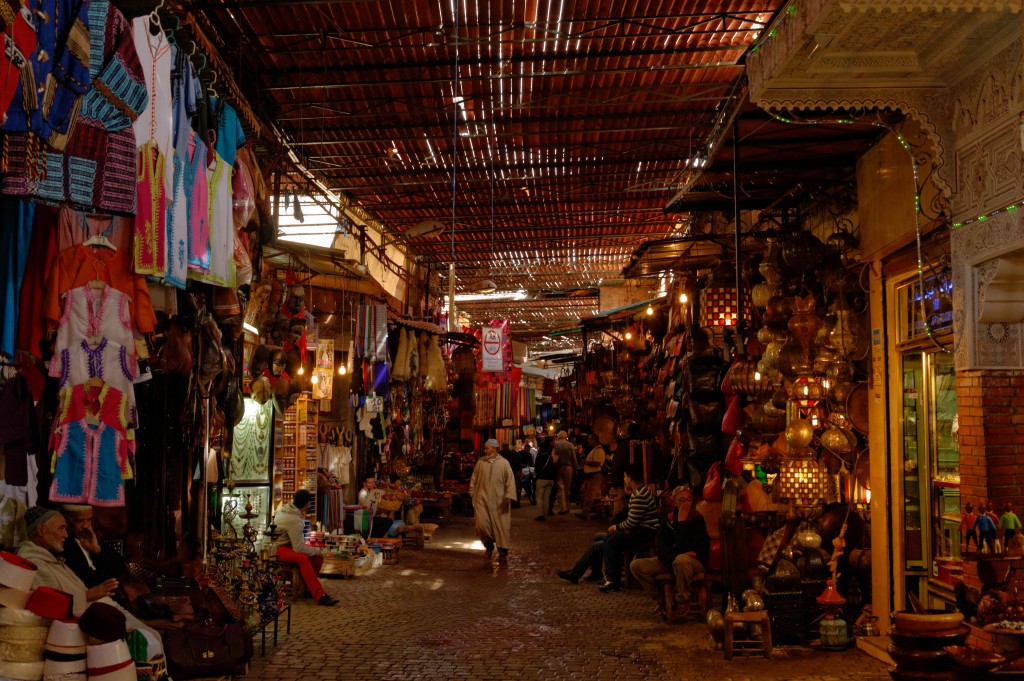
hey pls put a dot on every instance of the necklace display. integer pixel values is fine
(250, 461)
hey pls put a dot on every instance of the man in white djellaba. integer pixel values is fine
(493, 488)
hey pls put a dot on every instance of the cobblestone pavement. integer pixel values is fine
(446, 613)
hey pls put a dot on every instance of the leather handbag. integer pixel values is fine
(713, 485)
(733, 458)
(208, 651)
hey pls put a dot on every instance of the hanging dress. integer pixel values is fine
(154, 137)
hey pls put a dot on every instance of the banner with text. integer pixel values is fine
(492, 345)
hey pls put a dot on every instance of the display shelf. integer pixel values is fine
(295, 451)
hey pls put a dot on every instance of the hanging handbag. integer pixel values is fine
(713, 483)
(733, 458)
(734, 416)
(208, 651)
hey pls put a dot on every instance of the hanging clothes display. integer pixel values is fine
(186, 91)
(46, 102)
(79, 265)
(16, 218)
(154, 137)
(90, 446)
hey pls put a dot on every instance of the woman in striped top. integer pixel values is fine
(640, 525)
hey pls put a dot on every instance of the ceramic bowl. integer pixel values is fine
(930, 641)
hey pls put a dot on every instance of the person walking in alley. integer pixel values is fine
(493, 489)
(564, 456)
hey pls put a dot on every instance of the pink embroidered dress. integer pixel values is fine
(154, 136)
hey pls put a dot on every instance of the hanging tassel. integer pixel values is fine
(287, 199)
(297, 206)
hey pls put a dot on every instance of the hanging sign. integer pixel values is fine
(492, 349)
(324, 370)
(374, 404)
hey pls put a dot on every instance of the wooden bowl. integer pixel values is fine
(930, 641)
(974, 658)
(928, 623)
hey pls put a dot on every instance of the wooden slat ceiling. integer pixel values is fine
(577, 121)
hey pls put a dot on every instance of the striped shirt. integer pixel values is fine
(643, 512)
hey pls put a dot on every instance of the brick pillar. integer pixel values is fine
(991, 411)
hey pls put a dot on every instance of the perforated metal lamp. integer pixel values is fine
(801, 482)
(718, 308)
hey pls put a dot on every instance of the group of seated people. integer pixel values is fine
(681, 542)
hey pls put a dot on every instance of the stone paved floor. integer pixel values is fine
(445, 613)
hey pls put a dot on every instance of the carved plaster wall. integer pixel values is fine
(986, 108)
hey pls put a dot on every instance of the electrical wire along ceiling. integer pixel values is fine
(579, 120)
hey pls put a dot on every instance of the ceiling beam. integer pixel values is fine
(445, 80)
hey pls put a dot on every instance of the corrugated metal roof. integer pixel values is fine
(577, 122)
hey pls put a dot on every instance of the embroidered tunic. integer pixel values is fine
(222, 227)
(89, 445)
(46, 100)
(154, 135)
(186, 90)
(110, 362)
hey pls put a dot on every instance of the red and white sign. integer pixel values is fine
(492, 344)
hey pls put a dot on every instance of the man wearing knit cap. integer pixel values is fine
(493, 488)
(47, 531)
(93, 563)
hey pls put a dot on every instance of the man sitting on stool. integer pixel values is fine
(683, 546)
(292, 547)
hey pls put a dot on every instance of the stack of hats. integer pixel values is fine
(22, 633)
(25, 618)
(64, 659)
(108, 657)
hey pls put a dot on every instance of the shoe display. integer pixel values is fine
(609, 587)
(568, 576)
(540, 517)
(327, 600)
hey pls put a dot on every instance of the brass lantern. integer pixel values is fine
(718, 306)
(806, 391)
(801, 482)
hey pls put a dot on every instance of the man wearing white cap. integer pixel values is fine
(493, 488)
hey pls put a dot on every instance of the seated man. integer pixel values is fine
(292, 547)
(94, 564)
(640, 525)
(593, 557)
(369, 495)
(683, 546)
(47, 532)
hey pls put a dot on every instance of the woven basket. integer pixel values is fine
(389, 505)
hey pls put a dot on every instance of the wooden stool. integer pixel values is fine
(759, 617)
(643, 550)
(700, 595)
(291, 573)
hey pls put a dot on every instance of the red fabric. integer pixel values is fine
(309, 566)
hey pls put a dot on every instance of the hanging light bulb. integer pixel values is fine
(341, 370)
(301, 370)
(683, 298)
(629, 335)
(314, 379)
(650, 310)
(757, 375)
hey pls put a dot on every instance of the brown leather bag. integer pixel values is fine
(208, 651)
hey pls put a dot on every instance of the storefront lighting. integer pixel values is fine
(629, 335)
(806, 391)
(314, 379)
(341, 370)
(683, 298)
(250, 328)
(301, 370)
(650, 310)
(757, 375)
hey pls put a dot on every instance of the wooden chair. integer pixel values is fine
(763, 646)
(643, 550)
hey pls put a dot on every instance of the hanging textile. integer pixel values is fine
(154, 137)
(221, 221)
(16, 218)
(186, 91)
(51, 81)
(250, 453)
(372, 332)
(485, 402)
